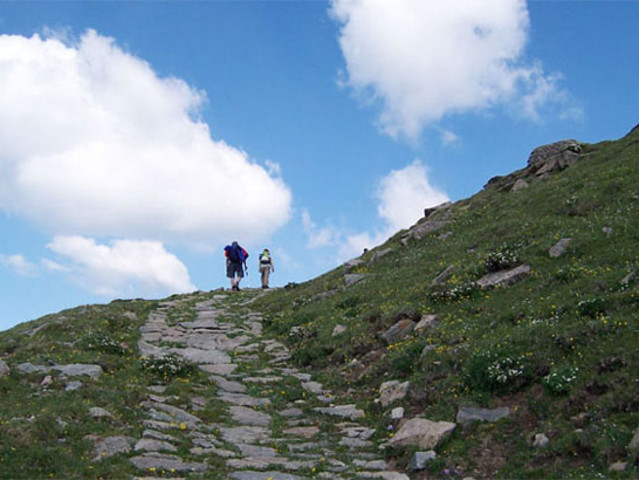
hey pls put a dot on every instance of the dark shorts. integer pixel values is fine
(234, 268)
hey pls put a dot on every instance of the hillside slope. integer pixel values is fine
(507, 322)
(555, 343)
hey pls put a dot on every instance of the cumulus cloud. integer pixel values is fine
(427, 59)
(401, 196)
(19, 265)
(124, 267)
(93, 142)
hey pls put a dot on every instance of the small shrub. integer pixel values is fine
(104, 343)
(454, 293)
(504, 258)
(167, 367)
(560, 380)
(591, 307)
(496, 372)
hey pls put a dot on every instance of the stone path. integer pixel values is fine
(259, 431)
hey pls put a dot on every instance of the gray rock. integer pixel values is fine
(248, 416)
(339, 329)
(392, 391)
(73, 385)
(560, 247)
(618, 467)
(444, 276)
(228, 385)
(151, 445)
(79, 369)
(198, 356)
(247, 450)
(540, 440)
(305, 432)
(353, 278)
(99, 412)
(399, 331)
(241, 399)
(245, 434)
(175, 414)
(112, 446)
(420, 459)
(379, 254)
(633, 446)
(507, 277)
(555, 156)
(351, 264)
(219, 369)
(427, 321)
(254, 475)
(422, 433)
(519, 185)
(343, 411)
(30, 368)
(468, 415)
(397, 413)
(4, 369)
(313, 387)
(166, 462)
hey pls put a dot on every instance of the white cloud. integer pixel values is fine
(124, 267)
(427, 59)
(95, 143)
(402, 196)
(19, 265)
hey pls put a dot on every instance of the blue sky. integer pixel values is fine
(138, 138)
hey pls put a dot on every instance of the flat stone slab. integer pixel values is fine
(248, 416)
(151, 445)
(252, 475)
(305, 432)
(245, 434)
(343, 411)
(112, 446)
(228, 385)
(468, 415)
(243, 400)
(166, 462)
(422, 433)
(219, 369)
(507, 277)
(198, 356)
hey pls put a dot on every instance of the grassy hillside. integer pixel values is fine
(559, 347)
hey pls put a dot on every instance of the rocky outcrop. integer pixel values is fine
(504, 277)
(552, 157)
(422, 433)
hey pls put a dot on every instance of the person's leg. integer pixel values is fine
(265, 275)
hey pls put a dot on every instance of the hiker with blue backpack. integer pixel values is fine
(235, 263)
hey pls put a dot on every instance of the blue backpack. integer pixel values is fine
(235, 253)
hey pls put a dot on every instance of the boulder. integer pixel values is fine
(420, 459)
(519, 185)
(379, 254)
(4, 369)
(112, 446)
(422, 433)
(426, 322)
(555, 156)
(468, 415)
(560, 247)
(392, 391)
(504, 277)
(399, 331)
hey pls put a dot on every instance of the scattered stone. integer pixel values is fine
(254, 475)
(422, 433)
(560, 247)
(199, 356)
(245, 434)
(4, 369)
(397, 413)
(444, 276)
(420, 459)
(248, 416)
(99, 412)
(342, 411)
(379, 254)
(392, 391)
(468, 415)
(607, 230)
(507, 277)
(228, 385)
(426, 322)
(313, 387)
(339, 329)
(351, 264)
(73, 385)
(151, 445)
(353, 278)
(171, 463)
(305, 432)
(219, 369)
(46, 381)
(519, 185)
(399, 331)
(371, 464)
(291, 412)
(618, 467)
(112, 446)
(540, 440)
(633, 446)
(79, 369)
(30, 368)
